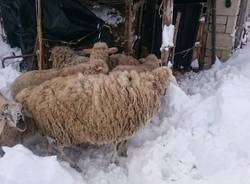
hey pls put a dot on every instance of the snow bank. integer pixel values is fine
(7, 76)
(20, 166)
(6, 51)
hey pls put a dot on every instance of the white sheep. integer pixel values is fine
(62, 56)
(95, 109)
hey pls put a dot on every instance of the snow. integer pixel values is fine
(109, 15)
(195, 64)
(20, 166)
(7, 75)
(201, 136)
(167, 37)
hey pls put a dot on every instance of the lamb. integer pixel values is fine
(95, 109)
(149, 63)
(34, 78)
(64, 56)
(11, 114)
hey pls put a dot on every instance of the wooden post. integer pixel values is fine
(240, 23)
(200, 46)
(166, 20)
(213, 37)
(40, 34)
(177, 25)
(128, 27)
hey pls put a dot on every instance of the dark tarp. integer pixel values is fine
(64, 20)
(186, 38)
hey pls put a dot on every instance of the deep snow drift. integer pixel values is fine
(200, 137)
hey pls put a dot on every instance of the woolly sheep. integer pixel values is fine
(96, 109)
(64, 56)
(122, 59)
(149, 63)
(37, 77)
(98, 63)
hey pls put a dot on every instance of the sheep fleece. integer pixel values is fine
(97, 109)
(37, 77)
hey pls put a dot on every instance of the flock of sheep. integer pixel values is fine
(102, 99)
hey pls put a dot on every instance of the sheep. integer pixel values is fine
(11, 136)
(98, 63)
(121, 59)
(95, 109)
(149, 63)
(37, 77)
(101, 51)
(11, 114)
(64, 56)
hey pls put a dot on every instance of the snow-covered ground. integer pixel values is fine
(200, 137)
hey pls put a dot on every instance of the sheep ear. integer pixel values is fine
(112, 50)
(87, 51)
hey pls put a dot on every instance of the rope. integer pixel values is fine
(72, 42)
(160, 9)
(185, 52)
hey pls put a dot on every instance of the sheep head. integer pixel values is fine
(11, 114)
(101, 46)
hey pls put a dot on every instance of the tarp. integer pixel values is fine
(63, 20)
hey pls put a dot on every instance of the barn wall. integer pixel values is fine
(226, 19)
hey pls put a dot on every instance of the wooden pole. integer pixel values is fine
(240, 23)
(200, 45)
(39, 35)
(166, 20)
(213, 37)
(177, 25)
(128, 27)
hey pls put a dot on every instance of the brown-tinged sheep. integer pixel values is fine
(122, 59)
(101, 51)
(11, 114)
(95, 109)
(149, 63)
(37, 77)
(64, 56)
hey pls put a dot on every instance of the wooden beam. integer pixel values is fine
(167, 19)
(200, 46)
(128, 27)
(177, 25)
(40, 34)
(213, 37)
